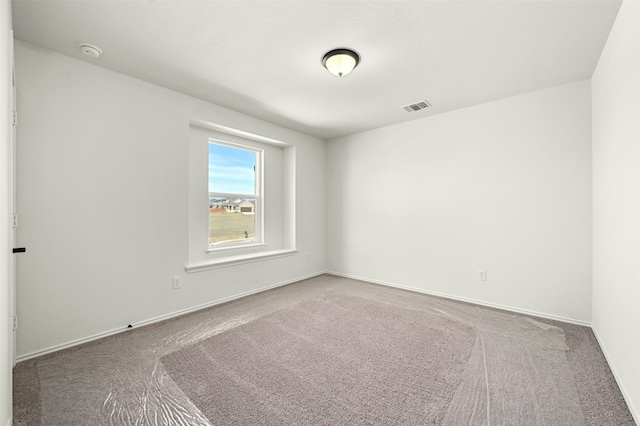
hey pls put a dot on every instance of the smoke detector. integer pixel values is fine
(90, 50)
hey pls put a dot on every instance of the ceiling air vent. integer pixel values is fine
(417, 106)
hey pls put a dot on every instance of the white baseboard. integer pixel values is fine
(112, 332)
(160, 318)
(634, 410)
(464, 299)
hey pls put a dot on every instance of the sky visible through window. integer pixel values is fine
(231, 170)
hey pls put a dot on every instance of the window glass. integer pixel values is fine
(233, 194)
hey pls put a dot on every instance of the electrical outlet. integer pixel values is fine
(15, 322)
(177, 283)
(482, 275)
(308, 257)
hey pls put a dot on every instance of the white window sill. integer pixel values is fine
(238, 260)
(221, 248)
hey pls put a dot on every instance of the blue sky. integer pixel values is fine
(231, 170)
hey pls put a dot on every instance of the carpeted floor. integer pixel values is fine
(329, 360)
(329, 350)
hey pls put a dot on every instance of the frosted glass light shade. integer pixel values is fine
(340, 62)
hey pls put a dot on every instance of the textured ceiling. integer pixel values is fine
(263, 58)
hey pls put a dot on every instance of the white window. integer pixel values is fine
(235, 194)
(238, 214)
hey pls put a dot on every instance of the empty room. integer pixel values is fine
(322, 212)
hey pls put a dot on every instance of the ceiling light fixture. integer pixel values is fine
(90, 50)
(340, 62)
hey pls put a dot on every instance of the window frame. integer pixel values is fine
(279, 185)
(258, 238)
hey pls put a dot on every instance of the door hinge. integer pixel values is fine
(15, 322)
(14, 118)
(15, 220)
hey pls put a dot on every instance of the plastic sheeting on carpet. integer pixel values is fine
(329, 360)
(517, 373)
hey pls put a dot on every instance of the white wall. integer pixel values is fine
(616, 201)
(6, 308)
(503, 186)
(103, 201)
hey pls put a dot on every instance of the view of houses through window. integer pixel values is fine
(234, 188)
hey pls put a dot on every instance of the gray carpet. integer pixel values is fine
(519, 371)
(326, 361)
